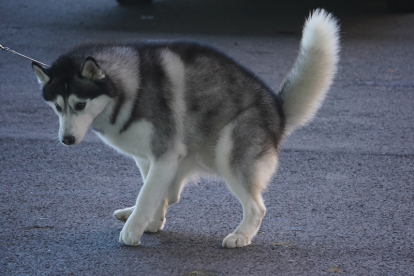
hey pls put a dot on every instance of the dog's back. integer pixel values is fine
(183, 88)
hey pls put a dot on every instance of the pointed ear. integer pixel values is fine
(42, 76)
(91, 70)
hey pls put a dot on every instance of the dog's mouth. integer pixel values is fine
(71, 138)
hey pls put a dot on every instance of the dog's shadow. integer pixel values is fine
(165, 240)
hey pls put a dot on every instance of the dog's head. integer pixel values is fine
(76, 92)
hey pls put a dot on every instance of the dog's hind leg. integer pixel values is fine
(144, 166)
(246, 169)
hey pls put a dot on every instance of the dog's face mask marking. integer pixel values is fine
(75, 100)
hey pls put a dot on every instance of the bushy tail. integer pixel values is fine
(304, 89)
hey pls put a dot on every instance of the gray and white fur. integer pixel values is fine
(182, 108)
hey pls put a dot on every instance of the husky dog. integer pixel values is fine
(182, 108)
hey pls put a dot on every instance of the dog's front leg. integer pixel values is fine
(159, 178)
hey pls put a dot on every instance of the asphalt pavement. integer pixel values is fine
(342, 201)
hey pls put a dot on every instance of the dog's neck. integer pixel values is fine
(112, 119)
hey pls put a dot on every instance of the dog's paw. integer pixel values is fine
(155, 225)
(130, 235)
(123, 214)
(235, 240)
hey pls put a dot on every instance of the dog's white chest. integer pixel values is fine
(134, 141)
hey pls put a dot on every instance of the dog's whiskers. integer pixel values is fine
(57, 142)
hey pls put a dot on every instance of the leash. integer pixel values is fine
(16, 53)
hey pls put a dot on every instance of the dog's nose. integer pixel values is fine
(68, 140)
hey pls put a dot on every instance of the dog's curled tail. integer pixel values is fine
(304, 89)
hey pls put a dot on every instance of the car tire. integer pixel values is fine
(401, 5)
(134, 2)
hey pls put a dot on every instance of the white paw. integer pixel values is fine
(155, 225)
(130, 234)
(123, 214)
(235, 240)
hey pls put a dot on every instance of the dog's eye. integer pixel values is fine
(80, 106)
(58, 108)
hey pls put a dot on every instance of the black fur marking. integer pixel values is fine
(67, 69)
(120, 101)
(153, 102)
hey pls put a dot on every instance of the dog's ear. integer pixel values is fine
(42, 75)
(91, 70)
